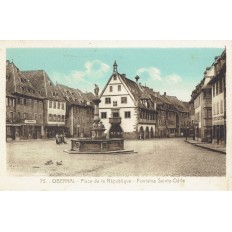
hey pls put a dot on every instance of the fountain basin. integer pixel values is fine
(97, 146)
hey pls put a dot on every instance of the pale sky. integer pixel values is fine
(173, 70)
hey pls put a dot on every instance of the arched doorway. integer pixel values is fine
(152, 132)
(147, 133)
(115, 131)
(141, 133)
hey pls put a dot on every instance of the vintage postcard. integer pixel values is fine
(115, 115)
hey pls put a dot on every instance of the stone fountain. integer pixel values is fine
(97, 143)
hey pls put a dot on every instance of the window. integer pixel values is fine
(40, 116)
(103, 115)
(54, 117)
(209, 113)
(220, 86)
(62, 118)
(35, 116)
(221, 107)
(115, 77)
(111, 88)
(35, 103)
(30, 116)
(62, 106)
(119, 87)
(24, 101)
(18, 115)
(127, 114)
(123, 100)
(40, 104)
(50, 117)
(107, 100)
(115, 114)
(218, 108)
(50, 104)
(54, 105)
(11, 115)
(58, 117)
(29, 102)
(24, 115)
(115, 103)
(58, 105)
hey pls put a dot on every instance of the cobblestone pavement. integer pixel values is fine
(157, 157)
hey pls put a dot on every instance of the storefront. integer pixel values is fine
(23, 131)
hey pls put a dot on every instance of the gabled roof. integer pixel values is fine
(177, 103)
(133, 87)
(18, 83)
(75, 96)
(43, 84)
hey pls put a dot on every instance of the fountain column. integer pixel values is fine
(97, 128)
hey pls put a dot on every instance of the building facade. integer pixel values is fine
(79, 111)
(218, 89)
(202, 102)
(54, 105)
(126, 109)
(24, 106)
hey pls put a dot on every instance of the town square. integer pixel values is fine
(103, 112)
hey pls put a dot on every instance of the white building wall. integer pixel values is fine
(218, 102)
(127, 124)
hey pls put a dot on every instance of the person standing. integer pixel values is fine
(57, 139)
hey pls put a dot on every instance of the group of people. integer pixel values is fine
(61, 139)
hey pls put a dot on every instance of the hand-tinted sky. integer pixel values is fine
(173, 70)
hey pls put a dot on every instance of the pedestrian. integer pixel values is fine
(65, 140)
(61, 138)
(57, 139)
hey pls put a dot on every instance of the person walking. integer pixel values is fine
(64, 139)
(57, 139)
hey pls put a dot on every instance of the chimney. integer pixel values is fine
(137, 78)
(164, 93)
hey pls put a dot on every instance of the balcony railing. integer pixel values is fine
(115, 120)
(144, 120)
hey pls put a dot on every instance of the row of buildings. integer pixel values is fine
(37, 108)
(208, 103)
(132, 110)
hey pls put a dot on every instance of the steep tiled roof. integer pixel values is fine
(43, 84)
(75, 96)
(133, 87)
(186, 105)
(176, 102)
(140, 93)
(18, 83)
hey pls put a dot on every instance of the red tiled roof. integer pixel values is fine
(18, 83)
(75, 96)
(43, 84)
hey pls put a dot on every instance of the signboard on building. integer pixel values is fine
(30, 121)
